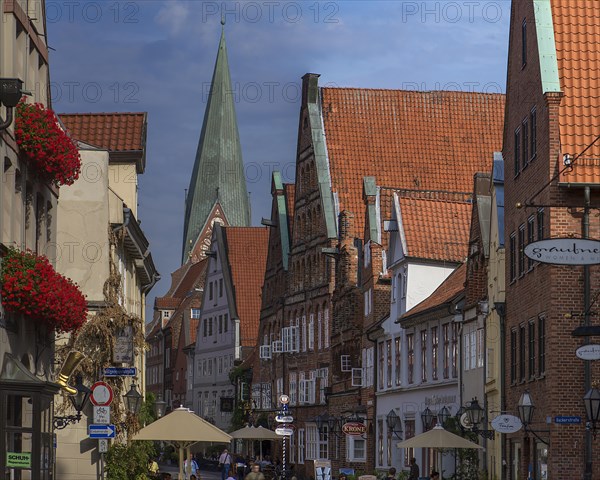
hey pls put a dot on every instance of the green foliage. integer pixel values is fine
(128, 462)
(146, 415)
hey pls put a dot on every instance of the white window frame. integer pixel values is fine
(326, 327)
(291, 339)
(351, 449)
(277, 346)
(293, 388)
(196, 313)
(312, 442)
(304, 337)
(345, 363)
(265, 352)
(311, 332)
(301, 446)
(319, 330)
(357, 377)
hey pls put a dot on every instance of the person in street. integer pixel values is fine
(225, 464)
(414, 470)
(255, 473)
(166, 476)
(391, 475)
(434, 475)
(153, 468)
(190, 467)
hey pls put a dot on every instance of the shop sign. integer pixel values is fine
(354, 429)
(18, 460)
(588, 352)
(565, 251)
(123, 352)
(507, 424)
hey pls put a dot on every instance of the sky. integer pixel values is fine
(158, 57)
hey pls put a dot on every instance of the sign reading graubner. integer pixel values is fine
(565, 251)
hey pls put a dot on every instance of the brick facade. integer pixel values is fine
(542, 299)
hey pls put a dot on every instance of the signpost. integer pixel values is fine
(102, 431)
(284, 419)
(120, 372)
(102, 415)
(102, 445)
(565, 251)
(507, 424)
(102, 394)
(588, 352)
(567, 420)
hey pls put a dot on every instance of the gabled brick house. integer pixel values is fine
(344, 136)
(552, 111)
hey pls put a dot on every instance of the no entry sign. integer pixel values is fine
(102, 394)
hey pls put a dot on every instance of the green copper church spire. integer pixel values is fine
(218, 175)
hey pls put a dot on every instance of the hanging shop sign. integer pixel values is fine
(123, 351)
(354, 429)
(588, 352)
(507, 424)
(18, 459)
(565, 251)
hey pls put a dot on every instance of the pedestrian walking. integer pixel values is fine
(225, 464)
(414, 470)
(255, 473)
(391, 475)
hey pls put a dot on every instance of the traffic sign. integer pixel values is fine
(284, 431)
(120, 372)
(102, 415)
(284, 419)
(102, 394)
(102, 445)
(102, 431)
(567, 420)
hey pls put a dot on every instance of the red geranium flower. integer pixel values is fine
(47, 146)
(31, 286)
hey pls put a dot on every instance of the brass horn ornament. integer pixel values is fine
(73, 359)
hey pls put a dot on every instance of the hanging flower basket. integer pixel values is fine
(45, 145)
(31, 286)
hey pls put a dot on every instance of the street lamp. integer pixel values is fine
(526, 408)
(10, 95)
(133, 400)
(592, 408)
(394, 424)
(475, 415)
(159, 407)
(443, 415)
(78, 401)
(427, 417)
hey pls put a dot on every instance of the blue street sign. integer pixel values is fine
(120, 372)
(567, 420)
(102, 431)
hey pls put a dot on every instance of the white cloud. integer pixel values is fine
(173, 16)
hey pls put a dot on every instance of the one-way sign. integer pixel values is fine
(101, 431)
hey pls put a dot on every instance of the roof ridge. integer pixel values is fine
(412, 91)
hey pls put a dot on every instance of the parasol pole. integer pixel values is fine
(181, 461)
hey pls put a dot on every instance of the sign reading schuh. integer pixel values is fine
(565, 251)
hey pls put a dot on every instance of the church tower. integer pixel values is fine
(217, 191)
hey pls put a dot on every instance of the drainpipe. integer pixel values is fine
(501, 310)
(586, 321)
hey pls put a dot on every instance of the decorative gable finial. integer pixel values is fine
(223, 19)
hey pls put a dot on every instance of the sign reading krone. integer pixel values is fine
(354, 428)
(565, 251)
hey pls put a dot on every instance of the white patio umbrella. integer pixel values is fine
(438, 438)
(182, 428)
(255, 433)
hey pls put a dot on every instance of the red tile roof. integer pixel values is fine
(110, 131)
(577, 39)
(408, 139)
(166, 303)
(436, 229)
(445, 293)
(193, 278)
(247, 254)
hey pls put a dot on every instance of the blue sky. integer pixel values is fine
(158, 57)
